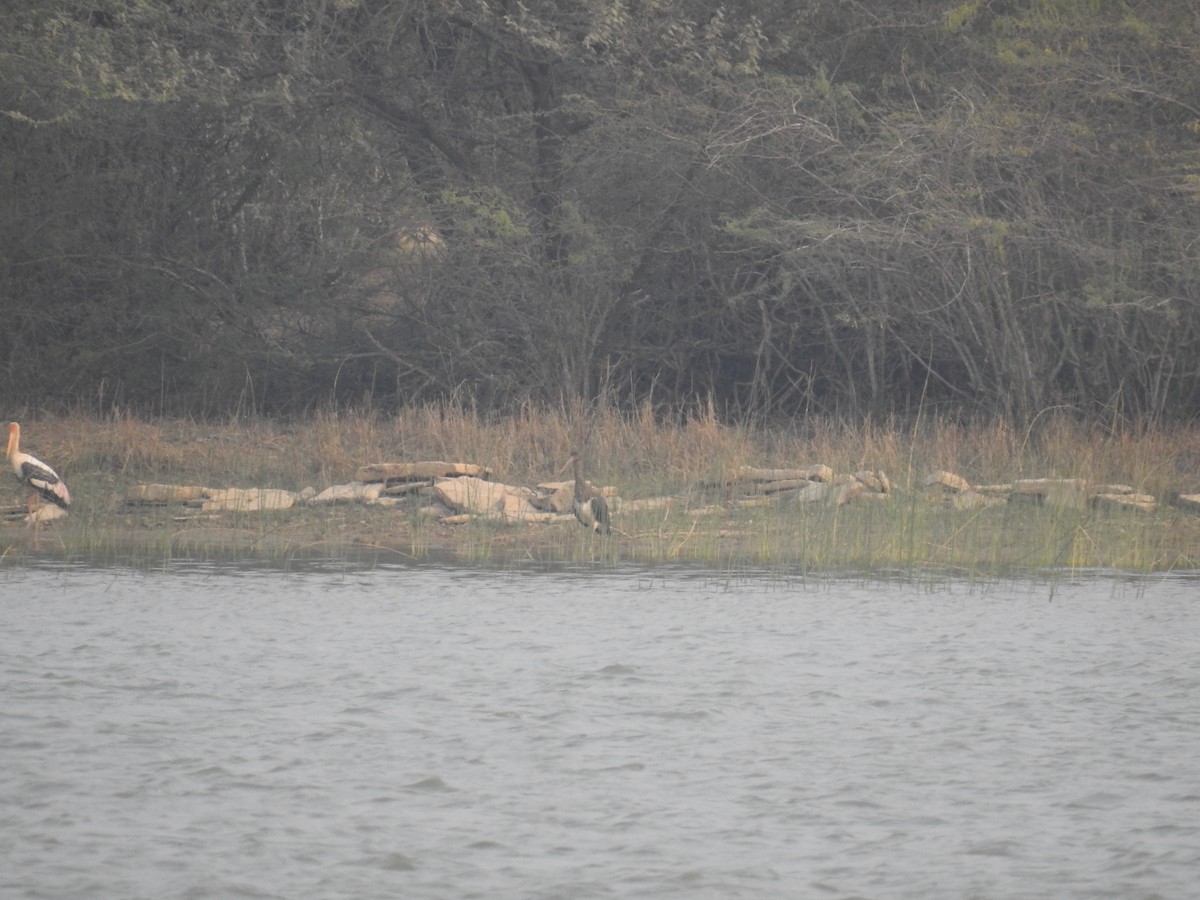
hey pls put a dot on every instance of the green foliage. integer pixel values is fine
(858, 209)
(486, 216)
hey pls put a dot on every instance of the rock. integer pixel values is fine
(399, 488)
(550, 487)
(874, 481)
(559, 496)
(542, 502)
(210, 499)
(245, 499)
(785, 484)
(744, 503)
(1005, 489)
(163, 493)
(1188, 501)
(562, 500)
(751, 473)
(847, 491)
(1125, 501)
(354, 492)
(974, 499)
(833, 493)
(947, 480)
(1070, 492)
(419, 471)
(488, 498)
(816, 492)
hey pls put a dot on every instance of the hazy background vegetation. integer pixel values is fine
(776, 207)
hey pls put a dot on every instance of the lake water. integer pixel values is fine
(450, 733)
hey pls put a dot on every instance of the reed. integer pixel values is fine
(644, 454)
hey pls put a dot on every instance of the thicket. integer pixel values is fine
(778, 208)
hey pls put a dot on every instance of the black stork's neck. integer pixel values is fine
(581, 488)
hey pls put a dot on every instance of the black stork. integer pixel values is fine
(591, 509)
(35, 474)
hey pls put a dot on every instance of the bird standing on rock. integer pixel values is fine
(35, 474)
(591, 509)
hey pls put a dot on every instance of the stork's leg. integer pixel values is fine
(33, 505)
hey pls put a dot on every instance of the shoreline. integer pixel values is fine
(913, 529)
(827, 542)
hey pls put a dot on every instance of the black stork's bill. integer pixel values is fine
(35, 474)
(591, 509)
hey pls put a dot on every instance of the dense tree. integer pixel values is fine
(266, 205)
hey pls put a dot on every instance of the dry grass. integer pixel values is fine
(637, 448)
(644, 456)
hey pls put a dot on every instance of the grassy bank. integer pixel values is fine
(911, 531)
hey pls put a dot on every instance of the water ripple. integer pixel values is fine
(451, 733)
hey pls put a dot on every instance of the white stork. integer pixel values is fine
(591, 509)
(35, 474)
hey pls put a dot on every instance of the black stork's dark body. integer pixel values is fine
(591, 509)
(35, 474)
